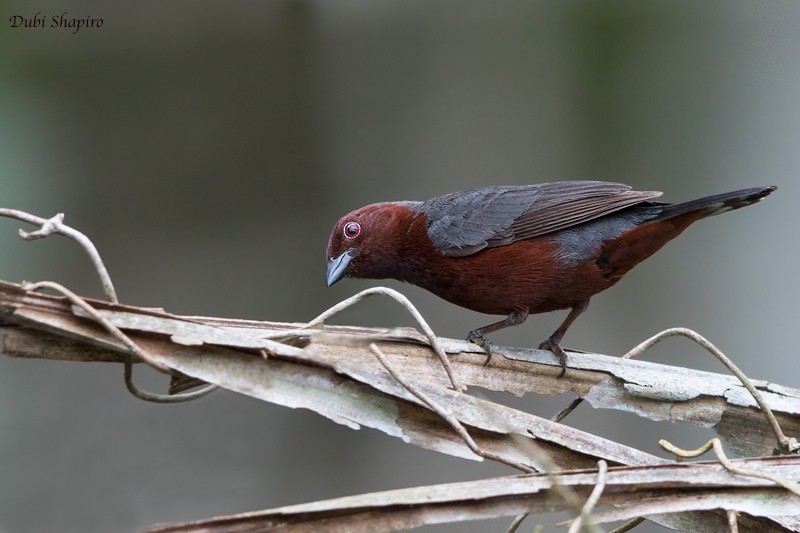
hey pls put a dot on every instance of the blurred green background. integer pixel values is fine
(208, 148)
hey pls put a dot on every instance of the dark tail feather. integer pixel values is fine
(719, 203)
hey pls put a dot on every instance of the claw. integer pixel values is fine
(551, 344)
(477, 338)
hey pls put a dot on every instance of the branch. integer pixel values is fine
(654, 490)
(55, 329)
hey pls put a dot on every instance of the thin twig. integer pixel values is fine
(162, 398)
(785, 444)
(55, 225)
(512, 528)
(561, 415)
(442, 412)
(591, 501)
(100, 319)
(716, 444)
(402, 300)
(627, 526)
(733, 521)
(124, 339)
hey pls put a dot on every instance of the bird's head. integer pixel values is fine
(368, 242)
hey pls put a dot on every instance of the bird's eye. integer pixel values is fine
(352, 230)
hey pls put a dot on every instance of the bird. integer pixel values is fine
(517, 250)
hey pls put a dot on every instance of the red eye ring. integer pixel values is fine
(351, 230)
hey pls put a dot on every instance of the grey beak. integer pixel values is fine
(337, 266)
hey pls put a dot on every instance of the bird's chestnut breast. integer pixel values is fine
(525, 275)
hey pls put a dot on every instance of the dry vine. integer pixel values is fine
(784, 444)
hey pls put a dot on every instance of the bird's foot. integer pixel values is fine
(552, 344)
(476, 338)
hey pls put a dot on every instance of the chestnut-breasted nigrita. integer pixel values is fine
(517, 250)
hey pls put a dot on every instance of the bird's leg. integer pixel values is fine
(477, 335)
(552, 342)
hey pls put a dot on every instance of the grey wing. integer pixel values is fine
(464, 223)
